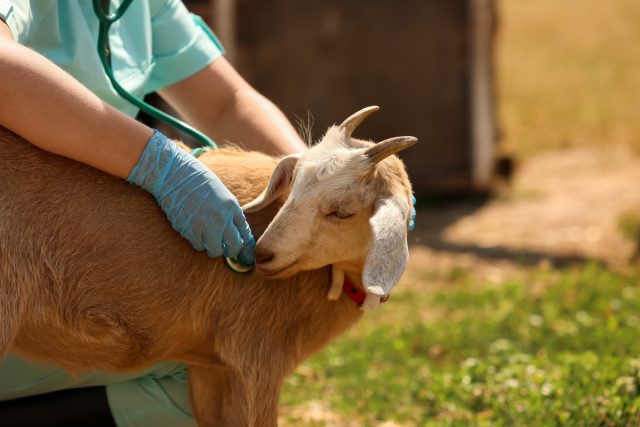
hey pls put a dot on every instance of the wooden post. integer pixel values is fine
(483, 122)
(224, 15)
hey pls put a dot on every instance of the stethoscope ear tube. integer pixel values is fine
(106, 19)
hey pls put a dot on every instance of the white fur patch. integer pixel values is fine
(389, 252)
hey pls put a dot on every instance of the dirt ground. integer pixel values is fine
(562, 207)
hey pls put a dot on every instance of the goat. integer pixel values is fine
(92, 276)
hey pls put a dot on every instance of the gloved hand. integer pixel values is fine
(412, 222)
(194, 199)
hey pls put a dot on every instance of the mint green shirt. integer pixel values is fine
(155, 44)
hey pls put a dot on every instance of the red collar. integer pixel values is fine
(356, 294)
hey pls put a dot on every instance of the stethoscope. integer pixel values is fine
(104, 52)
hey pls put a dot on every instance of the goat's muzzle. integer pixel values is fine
(263, 256)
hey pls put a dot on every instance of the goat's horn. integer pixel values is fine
(384, 149)
(354, 120)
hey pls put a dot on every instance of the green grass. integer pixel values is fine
(629, 228)
(557, 349)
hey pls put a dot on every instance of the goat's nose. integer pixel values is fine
(263, 255)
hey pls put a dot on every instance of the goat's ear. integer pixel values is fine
(279, 182)
(388, 253)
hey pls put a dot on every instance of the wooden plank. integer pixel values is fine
(483, 120)
(333, 57)
(224, 22)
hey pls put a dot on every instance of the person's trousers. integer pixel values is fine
(157, 397)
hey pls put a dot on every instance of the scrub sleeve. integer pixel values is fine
(155, 44)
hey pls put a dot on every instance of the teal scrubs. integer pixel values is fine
(155, 44)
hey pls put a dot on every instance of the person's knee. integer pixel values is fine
(152, 401)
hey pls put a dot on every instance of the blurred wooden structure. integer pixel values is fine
(427, 63)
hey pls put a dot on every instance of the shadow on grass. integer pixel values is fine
(435, 215)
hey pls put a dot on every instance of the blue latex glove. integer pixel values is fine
(412, 223)
(194, 199)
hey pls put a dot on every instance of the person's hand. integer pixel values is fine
(412, 220)
(194, 199)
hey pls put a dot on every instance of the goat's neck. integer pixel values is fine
(292, 315)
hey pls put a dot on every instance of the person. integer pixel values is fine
(56, 95)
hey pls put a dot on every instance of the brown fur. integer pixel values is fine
(92, 276)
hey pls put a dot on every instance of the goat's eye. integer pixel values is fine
(339, 215)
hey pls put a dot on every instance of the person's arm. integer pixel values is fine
(218, 101)
(47, 107)
(50, 109)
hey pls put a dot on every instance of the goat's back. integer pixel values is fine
(93, 276)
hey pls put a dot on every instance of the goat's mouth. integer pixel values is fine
(275, 273)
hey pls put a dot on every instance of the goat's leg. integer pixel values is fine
(219, 397)
(260, 385)
(210, 389)
(222, 397)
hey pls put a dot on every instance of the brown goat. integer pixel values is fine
(92, 276)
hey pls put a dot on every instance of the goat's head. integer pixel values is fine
(348, 205)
